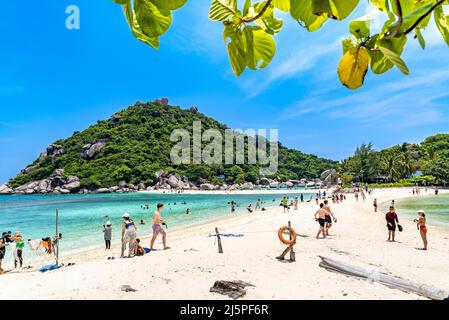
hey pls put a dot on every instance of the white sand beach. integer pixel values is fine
(192, 265)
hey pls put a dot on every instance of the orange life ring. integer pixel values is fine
(292, 233)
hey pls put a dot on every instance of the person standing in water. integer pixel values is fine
(392, 218)
(107, 230)
(129, 235)
(421, 225)
(320, 216)
(157, 227)
(257, 205)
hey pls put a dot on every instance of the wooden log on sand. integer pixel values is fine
(385, 279)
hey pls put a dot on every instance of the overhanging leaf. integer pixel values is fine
(153, 20)
(395, 59)
(219, 10)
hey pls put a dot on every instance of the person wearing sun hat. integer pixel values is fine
(421, 225)
(129, 235)
(107, 230)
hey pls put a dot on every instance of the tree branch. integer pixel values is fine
(260, 14)
(423, 17)
(395, 31)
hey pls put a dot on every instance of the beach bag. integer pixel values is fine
(400, 228)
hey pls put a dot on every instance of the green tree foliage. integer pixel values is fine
(249, 28)
(139, 145)
(400, 162)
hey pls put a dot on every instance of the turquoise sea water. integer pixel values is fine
(436, 208)
(81, 217)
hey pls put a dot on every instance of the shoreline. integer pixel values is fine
(259, 230)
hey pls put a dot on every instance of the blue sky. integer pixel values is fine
(54, 81)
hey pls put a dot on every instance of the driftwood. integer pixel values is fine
(233, 289)
(385, 279)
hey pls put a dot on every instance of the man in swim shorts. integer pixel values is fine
(157, 227)
(392, 218)
(320, 216)
(329, 216)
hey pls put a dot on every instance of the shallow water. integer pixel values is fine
(436, 208)
(81, 217)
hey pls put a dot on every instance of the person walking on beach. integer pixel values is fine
(18, 249)
(328, 217)
(421, 225)
(392, 218)
(107, 230)
(356, 195)
(157, 227)
(129, 235)
(375, 205)
(320, 216)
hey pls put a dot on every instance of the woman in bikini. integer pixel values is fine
(421, 225)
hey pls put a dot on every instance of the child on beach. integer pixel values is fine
(375, 205)
(107, 229)
(129, 235)
(139, 251)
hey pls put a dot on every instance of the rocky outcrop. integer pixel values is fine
(329, 177)
(53, 151)
(28, 169)
(165, 180)
(207, 186)
(161, 101)
(115, 119)
(5, 189)
(247, 186)
(90, 149)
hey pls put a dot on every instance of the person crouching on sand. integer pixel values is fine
(421, 225)
(129, 235)
(157, 227)
(320, 216)
(392, 218)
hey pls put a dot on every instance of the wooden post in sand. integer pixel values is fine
(220, 248)
(292, 252)
(57, 237)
